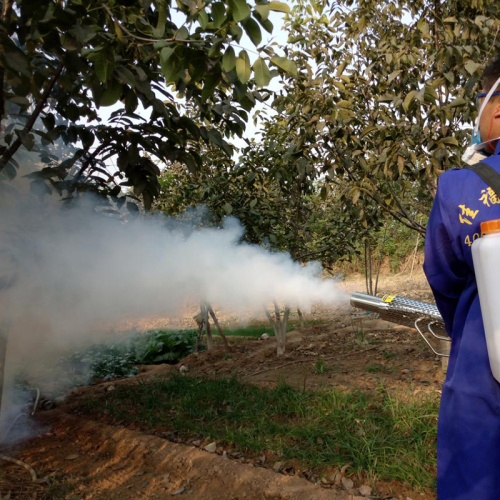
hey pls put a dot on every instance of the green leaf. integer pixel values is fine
(203, 19)
(211, 82)
(125, 75)
(279, 7)
(450, 76)
(49, 121)
(355, 193)
(239, 9)
(190, 163)
(408, 99)
(266, 24)
(235, 31)
(229, 60)
(218, 14)
(9, 171)
(471, 67)
(450, 140)
(262, 73)
(103, 64)
(430, 94)
(39, 188)
(111, 94)
(131, 102)
(20, 101)
(182, 34)
(83, 33)
(228, 208)
(27, 139)
(423, 27)
(159, 31)
(263, 11)
(368, 129)
(243, 69)
(393, 75)
(285, 64)
(132, 208)
(16, 60)
(252, 29)
(169, 67)
(458, 102)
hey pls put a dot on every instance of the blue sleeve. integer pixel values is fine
(445, 271)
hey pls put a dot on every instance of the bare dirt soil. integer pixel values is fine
(83, 459)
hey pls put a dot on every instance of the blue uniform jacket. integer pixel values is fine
(469, 417)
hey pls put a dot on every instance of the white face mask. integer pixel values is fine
(473, 152)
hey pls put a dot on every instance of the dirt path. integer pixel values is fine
(101, 462)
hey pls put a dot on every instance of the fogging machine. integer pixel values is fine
(423, 316)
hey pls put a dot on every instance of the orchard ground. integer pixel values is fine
(86, 453)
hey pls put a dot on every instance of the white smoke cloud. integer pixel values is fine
(65, 269)
(74, 267)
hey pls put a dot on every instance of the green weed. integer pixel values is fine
(109, 361)
(57, 489)
(381, 435)
(319, 366)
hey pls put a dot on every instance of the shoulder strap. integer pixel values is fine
(488, 174)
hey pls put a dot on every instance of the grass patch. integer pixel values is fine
(381, 436)
(376, 368)
(57, 489)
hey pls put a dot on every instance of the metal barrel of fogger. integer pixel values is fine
(423, 316)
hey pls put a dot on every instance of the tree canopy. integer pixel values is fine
(375, 102)
(60, 61)
(383, 97)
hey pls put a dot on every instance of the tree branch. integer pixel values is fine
(144, 39)
(395, 215)
(277, 312)
(270, 318)
(11, 151)
(317, 252)
(88, 162)
(5, 18)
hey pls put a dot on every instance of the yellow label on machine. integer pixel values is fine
(388, 298)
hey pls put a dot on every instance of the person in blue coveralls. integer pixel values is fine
(468, 460)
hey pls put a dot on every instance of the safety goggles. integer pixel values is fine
(484, 94)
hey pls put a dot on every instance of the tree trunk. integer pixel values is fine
(370, 273)
(280, 340)
(414, 255)
(366, 268)
(380, 259)
(12, 149)
(206, 321)
(301, 317)
(5, 15)
(3, 357)
(4, 334)
(217, 325)
(280, 326)
(198, 337)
